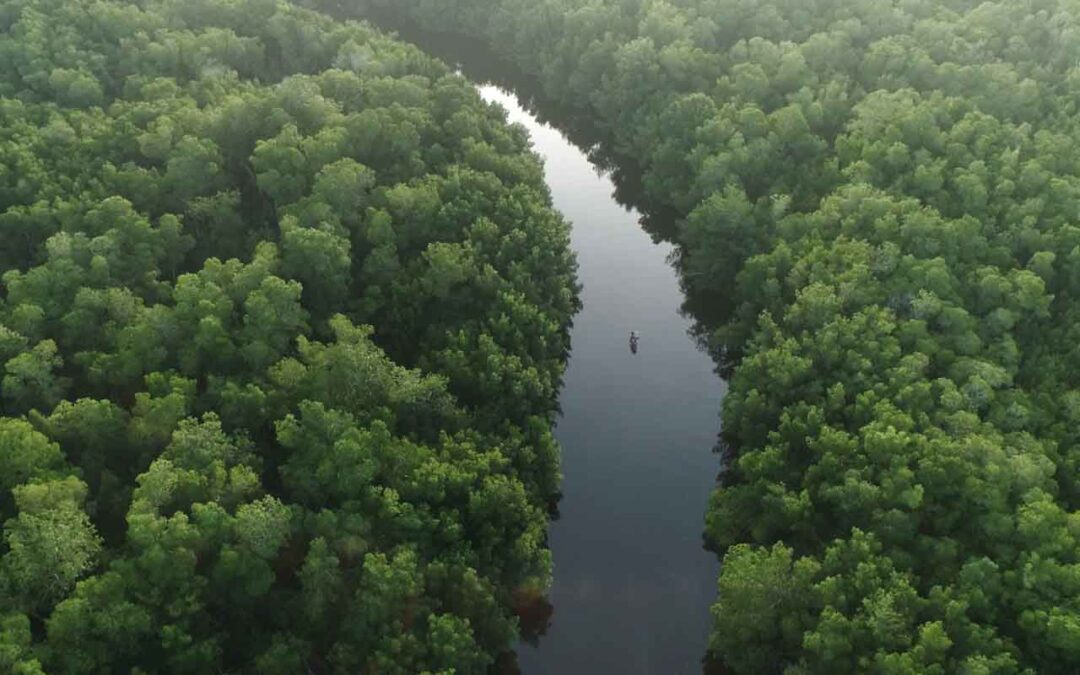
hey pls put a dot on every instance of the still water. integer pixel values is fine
(632, 583)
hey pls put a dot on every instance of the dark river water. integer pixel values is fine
(632, 582)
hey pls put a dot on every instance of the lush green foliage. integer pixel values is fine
(283, 316)
(891, 189)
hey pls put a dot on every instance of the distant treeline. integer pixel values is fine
(283, 316)
(883, 200)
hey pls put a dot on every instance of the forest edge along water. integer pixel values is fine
(632, 582)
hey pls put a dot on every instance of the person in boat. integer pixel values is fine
(634, 337)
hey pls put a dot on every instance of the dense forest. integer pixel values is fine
(877, 201)
(283, 316)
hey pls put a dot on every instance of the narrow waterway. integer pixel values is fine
(632, 583)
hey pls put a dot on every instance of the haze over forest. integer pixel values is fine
(286, 309)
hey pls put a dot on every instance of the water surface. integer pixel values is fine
(632, 582)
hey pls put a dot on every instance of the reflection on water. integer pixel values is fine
(632, 584)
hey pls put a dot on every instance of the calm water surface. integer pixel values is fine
(632, 582)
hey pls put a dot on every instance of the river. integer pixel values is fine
(632, 583)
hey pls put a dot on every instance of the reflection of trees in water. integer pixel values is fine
(534, 612)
